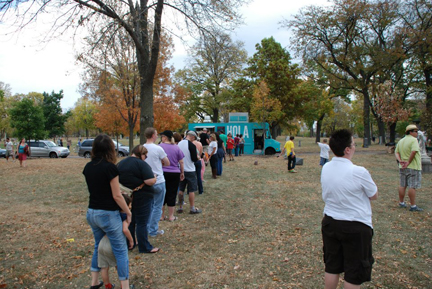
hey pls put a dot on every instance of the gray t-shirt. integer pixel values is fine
(9, 146)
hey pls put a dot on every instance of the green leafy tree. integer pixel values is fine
(354, 42)
(28, 119)
(213, 63)
(417, 25)
(83, 115)
(5, 103)
(54, 117)
(272, 64)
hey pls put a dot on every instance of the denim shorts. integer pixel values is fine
(410, 178)
(323, 161)
(191, 181)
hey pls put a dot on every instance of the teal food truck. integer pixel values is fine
(256, 135)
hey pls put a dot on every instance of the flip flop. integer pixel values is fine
(153, 252)
(175, 219)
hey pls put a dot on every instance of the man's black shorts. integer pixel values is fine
(347, 248)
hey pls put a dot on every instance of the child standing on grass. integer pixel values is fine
(324, 154)
(106, 257)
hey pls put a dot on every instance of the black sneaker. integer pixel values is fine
(416, 209)
(97, 286)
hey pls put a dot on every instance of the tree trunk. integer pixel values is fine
(393, 132)
(147, 63)
(215, 116)
(87, 133)
(366, 118)
(382, 131)
(428, 122)
(318, 130)
(274, 131)
(146, 105)
(131, 136)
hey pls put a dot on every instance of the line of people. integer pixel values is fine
(154, 175)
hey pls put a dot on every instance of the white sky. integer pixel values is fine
(27, 64)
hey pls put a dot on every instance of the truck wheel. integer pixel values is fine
(87, 155)
(53, 155)
(120, 154)
(270, 151)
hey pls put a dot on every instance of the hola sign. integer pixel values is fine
(236, 129)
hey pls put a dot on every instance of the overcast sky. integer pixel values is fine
(28, 65)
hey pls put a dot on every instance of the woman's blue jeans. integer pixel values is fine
(109, 223)
(141, 211)
(158, 200)
(220, 154)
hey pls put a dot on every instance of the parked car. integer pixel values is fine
(2, 153)
(46, 148)
(86, 148)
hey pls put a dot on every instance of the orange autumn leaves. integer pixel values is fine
(119, 108)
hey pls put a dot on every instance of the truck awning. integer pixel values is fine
(204, 126)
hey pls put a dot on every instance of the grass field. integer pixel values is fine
(260, 228)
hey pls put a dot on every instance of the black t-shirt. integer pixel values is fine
(220, 144)
(133, 172)
(98, 174)
(203, 139)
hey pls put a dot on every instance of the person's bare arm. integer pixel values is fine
(182, 176)
(150, 182)
(165, 162)
(374, 197)
(118, 198)
(410, 159)
(128, 235)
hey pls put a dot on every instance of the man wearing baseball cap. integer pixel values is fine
(408, 155)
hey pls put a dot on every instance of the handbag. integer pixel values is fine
(27, 150)
(129, 191)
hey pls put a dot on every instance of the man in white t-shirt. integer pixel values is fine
(324, 153)
(156, 158)
(190, 180)
(347, 191)
(9, 149)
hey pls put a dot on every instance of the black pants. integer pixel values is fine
(291, 162)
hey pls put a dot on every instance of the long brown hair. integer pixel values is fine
(103, 147)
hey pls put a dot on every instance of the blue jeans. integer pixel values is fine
(198, 167)
(236, 150)
(158, 200)
(141, 211)
(109, 223)
(220, 154)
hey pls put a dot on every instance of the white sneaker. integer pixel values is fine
(159, 232)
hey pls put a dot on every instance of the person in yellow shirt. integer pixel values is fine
(408, 155)
(289, 148)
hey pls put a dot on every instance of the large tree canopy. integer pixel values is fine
(272, 64)
(213, 63)
(143, 22)
(354, 42)
(28, 119)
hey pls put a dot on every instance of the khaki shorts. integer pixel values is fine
(410, 178)
(105, 254)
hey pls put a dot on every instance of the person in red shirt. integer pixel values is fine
(230, 146)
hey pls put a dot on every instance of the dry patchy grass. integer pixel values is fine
(260, 228)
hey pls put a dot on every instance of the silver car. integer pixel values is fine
(46, 148)
(86, 148)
